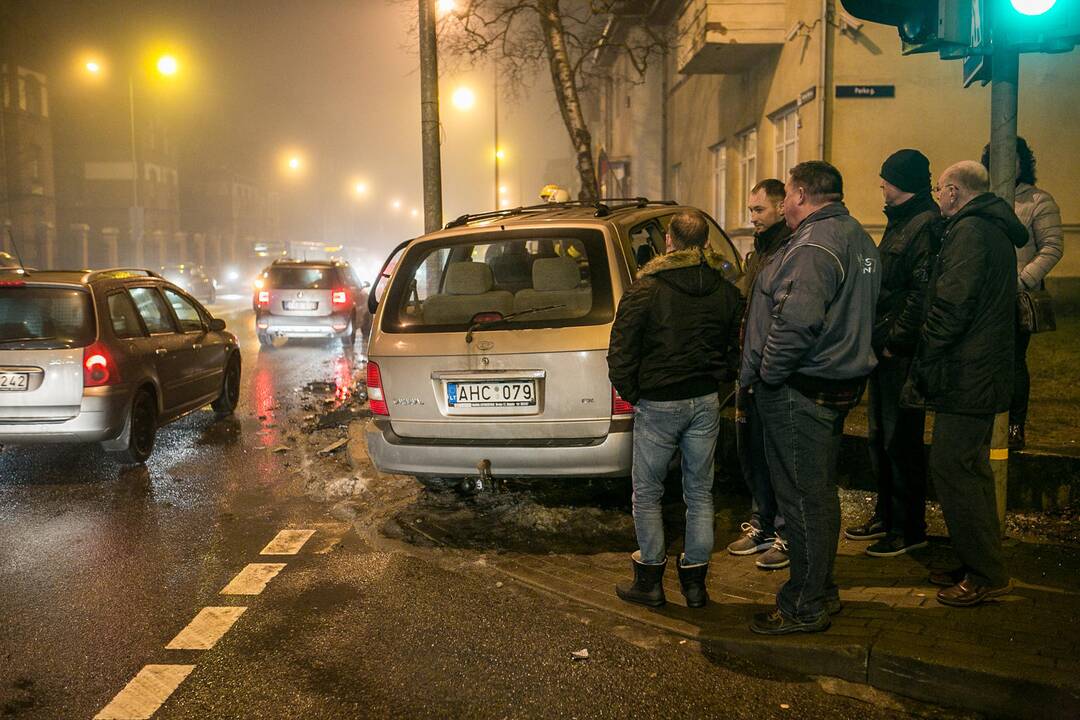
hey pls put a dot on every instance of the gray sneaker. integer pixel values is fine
(776, 558)
(752, 541)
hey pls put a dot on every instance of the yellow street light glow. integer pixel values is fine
(294, 163)
(396, 204)
(505, 203)
(502, 189)
(93, 67)
(446, 6)
(360, 188)
(463, 98)
(500, 154)
(414, 212)
(168, 65)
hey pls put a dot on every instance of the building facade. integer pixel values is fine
(750, 88)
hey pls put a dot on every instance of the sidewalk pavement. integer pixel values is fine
(1018, 657)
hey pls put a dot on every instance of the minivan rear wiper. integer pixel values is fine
(5, 341)
(512, 316)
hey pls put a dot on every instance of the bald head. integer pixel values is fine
(960, 184)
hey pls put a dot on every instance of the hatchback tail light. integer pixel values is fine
(98, 367)
(264, 298)
(620, 406)
(376, 398)
(339, 298)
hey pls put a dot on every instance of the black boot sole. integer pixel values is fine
(644, 602)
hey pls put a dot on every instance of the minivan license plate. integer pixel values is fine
(14, 381)
(520, 394)
(300, 305)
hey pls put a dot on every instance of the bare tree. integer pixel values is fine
(521, 34)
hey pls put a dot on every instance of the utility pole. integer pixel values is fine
(429, 118)
(1004, 87)
(495, 110)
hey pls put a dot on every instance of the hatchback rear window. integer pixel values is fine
(45, 317)
(300, 278)
(555, 279)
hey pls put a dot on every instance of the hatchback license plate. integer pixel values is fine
(14, 381)
(300, 305)
(511, 395)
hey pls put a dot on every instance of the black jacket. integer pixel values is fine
(912, 236)
(964, 361)
(676, 332)
(766, 244)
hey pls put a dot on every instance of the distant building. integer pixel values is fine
(752, 88)
(27, 189)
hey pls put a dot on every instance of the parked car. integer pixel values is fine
(488, 353)
(107, 356)
(193, 280)
(320, 298)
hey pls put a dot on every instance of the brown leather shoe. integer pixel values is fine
(946, 578)
(966, 593)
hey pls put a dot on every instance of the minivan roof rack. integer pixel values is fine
(602, 206)
(138, 272)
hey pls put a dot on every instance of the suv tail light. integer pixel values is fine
(620, 406)
(376, 398)
(98, 367)
(339, 298)
(264, 298)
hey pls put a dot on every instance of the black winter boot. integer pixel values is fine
(648, 586)
(692, 579)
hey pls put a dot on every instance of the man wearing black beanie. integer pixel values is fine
(912, 236)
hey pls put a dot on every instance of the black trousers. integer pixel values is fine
(1018, 410)
(960, 469)
(896, 452)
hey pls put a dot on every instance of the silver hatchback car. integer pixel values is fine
(107, 356)
(488, 353)
(310, 299)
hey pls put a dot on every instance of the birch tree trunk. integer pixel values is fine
(566, 92)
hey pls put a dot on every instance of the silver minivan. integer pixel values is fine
(488, 351)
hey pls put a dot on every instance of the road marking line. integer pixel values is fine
(146, 692)
(203, 632)
(252, 579)
(287, 542)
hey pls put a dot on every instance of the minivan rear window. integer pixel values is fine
(45, 317)
(533, 279)
(300, 278)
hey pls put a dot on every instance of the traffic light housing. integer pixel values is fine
(942, 26)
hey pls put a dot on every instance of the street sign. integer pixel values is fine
(977, 68)
(865, 91)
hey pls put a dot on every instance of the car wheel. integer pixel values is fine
(441, 484)
(349, 338)
(265, 340)
(141, 430)
(229, 398)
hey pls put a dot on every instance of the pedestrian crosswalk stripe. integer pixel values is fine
(252, 579)
(287, 542)
(146, 692)
(203, 632)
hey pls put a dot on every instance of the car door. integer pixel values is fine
(167, 348)
(207, 352)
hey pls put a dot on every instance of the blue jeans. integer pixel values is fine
(661, 426)
(802, 443)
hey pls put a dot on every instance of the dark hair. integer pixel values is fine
(689, 229)
(1024, 154)
(820, 180)
(774, 189)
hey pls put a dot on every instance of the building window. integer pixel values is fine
(676, 181)
(747, 166)
(786, 125)
(34, 166)
(719, 183)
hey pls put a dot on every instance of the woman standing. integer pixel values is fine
(1042, 218)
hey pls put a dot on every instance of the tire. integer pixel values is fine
(137, 441)
(226, 402)
(440, 484)
(349, 338)
(265, 340)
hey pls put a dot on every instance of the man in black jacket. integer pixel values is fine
(674, 341)
(963, 370)
(896, 434)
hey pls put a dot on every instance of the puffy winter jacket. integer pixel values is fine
(1037, 212)
(964, 362)
(676, 331)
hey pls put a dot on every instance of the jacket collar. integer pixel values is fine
(772, 238)
(915, 205)
(833, 209)
(691, 257)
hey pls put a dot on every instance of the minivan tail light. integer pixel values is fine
(98, 367)
(264, 298)
(339, 298)
(376, 398)
(620, 406)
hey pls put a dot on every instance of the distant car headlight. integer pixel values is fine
(233, 275)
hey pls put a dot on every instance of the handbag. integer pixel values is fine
(1035, 311)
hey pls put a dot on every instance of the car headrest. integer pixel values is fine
(559, 273)
(468, 278)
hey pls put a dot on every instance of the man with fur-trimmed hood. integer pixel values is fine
(674, 341)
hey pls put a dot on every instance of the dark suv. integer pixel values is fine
(311, 299)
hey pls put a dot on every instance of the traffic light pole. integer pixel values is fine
(1004, 94)
(429, 118)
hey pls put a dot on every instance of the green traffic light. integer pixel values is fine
(1032, 7)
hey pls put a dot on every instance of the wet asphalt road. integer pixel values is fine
(100, 566)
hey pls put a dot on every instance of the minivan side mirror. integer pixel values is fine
(217, 324)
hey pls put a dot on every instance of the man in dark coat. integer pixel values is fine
(762, 533)
(896, 434)
(963, 370)
(674, 341)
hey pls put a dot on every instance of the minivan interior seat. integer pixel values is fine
(556, 281)
(513, 268)
(467, 290)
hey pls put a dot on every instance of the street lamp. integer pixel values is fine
(446, 6)
(360, 189)
(93, 67)
(168, 65)
(395, 204)
(463, 98)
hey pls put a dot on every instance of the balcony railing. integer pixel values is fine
(728, 36)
